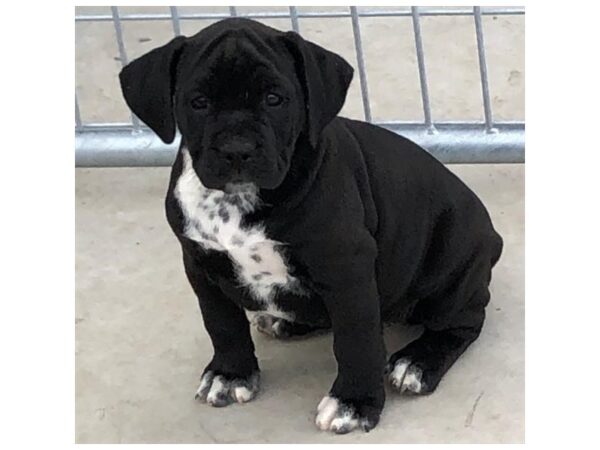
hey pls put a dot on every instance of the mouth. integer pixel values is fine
(234, 181)
(239, 188)
(237, 177)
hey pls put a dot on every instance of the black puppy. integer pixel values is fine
(313, 221)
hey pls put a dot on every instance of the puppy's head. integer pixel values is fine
(241, 94)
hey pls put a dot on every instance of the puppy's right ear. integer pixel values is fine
(148, 85)
(325, 77)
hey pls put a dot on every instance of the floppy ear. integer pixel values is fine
(148, 85)
(325, 78)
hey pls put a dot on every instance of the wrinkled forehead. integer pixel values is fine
(237, 59)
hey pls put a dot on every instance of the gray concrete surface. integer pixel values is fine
(141, 345)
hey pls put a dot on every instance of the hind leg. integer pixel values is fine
(419, 367)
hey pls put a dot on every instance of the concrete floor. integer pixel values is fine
(141, 345)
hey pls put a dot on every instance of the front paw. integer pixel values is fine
(341, 417)
(220, 390)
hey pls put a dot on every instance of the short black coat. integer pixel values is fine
(376, 198)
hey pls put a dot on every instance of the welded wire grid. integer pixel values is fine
(513, 141)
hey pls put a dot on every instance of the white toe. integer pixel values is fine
(218, 387)
(333, 415)
(346, 422)
(218, 391)
(412, 380)
(243, 394)
(397, 375)
(204, 384)
(324, 401)
(326, 412)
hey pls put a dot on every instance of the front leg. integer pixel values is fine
(233, 374)
(357, 396)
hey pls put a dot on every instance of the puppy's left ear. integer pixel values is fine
(325, 78)
(148, 85)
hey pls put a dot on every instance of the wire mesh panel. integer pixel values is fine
(107, 142)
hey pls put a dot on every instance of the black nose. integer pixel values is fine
(237, 152)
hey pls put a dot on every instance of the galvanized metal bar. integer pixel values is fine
(362, 73)
(485, 89)
(78, 123)
(500, 11)
(108, 126)
(122, 53)
(175, 20)
(119, 33)
(460, 144)
(453, 143)
(122, 148)
(422, 71)
(233, 11)
(294, 17)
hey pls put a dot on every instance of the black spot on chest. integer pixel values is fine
(237, 241)
(223, 214)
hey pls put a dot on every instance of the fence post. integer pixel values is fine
(485, 90)
(122, 54)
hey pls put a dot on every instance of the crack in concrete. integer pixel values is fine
(469, 418)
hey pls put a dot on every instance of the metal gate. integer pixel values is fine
(487, 141)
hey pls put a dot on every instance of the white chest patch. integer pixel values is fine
(213, 219)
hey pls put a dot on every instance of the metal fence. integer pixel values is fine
(133, 144)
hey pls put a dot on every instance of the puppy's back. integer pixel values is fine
(420, 204)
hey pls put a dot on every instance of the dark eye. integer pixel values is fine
(199, 102)
(273, 99)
